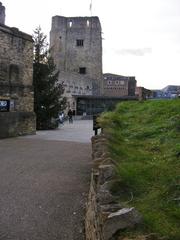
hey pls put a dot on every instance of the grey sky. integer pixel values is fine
(141, 37)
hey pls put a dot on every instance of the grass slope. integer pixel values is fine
(144, 139)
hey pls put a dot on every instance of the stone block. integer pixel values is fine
(122, 219)
(105, 173)
(103, 194)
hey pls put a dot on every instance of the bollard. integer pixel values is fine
(95, 124)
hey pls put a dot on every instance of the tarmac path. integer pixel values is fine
(44, 181)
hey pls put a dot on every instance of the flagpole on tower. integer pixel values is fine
(90, 8)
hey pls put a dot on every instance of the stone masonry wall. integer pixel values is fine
(69, 57)
(16, 79)
(14, 124)
(2, 14)
(105, 216)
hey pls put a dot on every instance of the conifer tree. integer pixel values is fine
(48, 100)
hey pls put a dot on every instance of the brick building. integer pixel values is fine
(118, 86)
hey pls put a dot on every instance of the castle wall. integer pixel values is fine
(76, 47)
(2, 14)
(16, 71)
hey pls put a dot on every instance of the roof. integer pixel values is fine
(105, 97)
(171, 88)
(15, 31)
(118, 76)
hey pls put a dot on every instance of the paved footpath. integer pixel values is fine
(44, 181)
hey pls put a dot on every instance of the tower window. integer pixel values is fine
(82, 70)
(80, 42)
(70, 24)
(109, 82)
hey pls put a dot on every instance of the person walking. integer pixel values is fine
(61, 118)
(70, 116)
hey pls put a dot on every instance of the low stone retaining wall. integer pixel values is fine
(14, 124)
(105, 216)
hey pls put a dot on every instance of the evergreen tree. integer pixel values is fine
(48, 100)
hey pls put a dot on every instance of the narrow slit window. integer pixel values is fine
(70, 24)
(82, 70)
(79, 42)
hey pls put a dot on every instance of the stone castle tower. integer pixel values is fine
(76, 46)
(2, 14)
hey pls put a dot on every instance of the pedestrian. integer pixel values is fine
(61, 118)
(70, 116)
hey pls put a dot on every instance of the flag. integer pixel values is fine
(90, 6)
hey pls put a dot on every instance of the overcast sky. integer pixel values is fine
(141, 38)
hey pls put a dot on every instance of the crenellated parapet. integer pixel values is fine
(2, 14)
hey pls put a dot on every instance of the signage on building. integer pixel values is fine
(4, 105)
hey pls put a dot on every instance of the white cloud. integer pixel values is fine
(133, 51)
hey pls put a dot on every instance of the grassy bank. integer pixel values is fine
(144, 139)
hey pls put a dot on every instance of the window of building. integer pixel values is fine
(82, 70)
(116, 82)
(87, 23)
(122, 82)
(109, 82)
(79, 42)
(70, 24)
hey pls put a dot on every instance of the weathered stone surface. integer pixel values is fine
(104, 215)
(100, 148)
(110, 208)
(124, 218)
(16, 77)
(2, 14)
(97, 162)
(92, 220)
(14, 124)
(76, 44)
(105, 173)
(102, 161)
(154, 236)
(103, 194)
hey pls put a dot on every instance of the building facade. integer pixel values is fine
(76, 47)
(16, 91)
(118, 86)
(170, 91)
